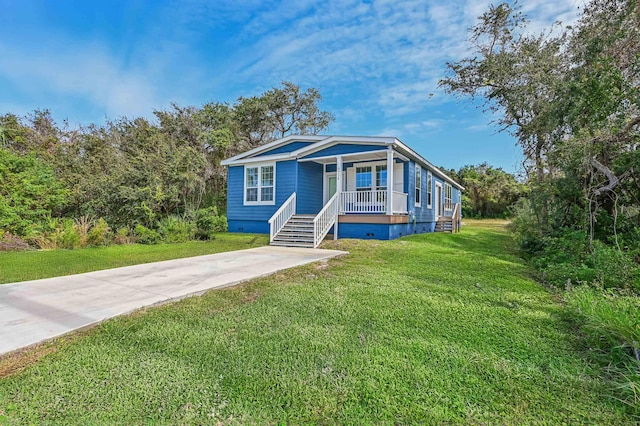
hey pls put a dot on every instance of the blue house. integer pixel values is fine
(301, 188)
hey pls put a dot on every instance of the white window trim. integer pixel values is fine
(429, 190)
(415, 187)
(373, 165)
(448, 187)
(259, 187)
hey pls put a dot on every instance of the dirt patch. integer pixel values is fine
(15, 362)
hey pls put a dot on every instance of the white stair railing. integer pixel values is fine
(456, 218)
(324, 220)
(280, 217)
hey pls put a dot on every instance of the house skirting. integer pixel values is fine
(373, 218)
(382, 231)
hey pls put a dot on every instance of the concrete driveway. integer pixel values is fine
(34, 311)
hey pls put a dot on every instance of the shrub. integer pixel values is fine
(83, 225)
(208, 222)
(176, 230)
(145, 235)
(10, 242)
(525, 227)
(122, 236)
(99, 234)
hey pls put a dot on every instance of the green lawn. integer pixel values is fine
(427, 329)
(23, 266)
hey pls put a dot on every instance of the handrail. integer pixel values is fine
(324, 220)
(456, 218)
(281, 216)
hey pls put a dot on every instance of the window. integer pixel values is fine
(429, 189)
(418, 185)
(363, 178)
(381, 178)
(259, 184)
(448, 191)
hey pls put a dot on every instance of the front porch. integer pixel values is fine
(372, 202)
(370, 182)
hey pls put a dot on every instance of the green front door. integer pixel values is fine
(333, 185)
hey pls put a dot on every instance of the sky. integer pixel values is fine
(376, 62)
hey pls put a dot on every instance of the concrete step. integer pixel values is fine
(292, 244)
(295, 234)
(293, 238)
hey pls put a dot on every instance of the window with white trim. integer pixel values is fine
(259, 184)
(381, 177)
(429, 189)
(364, 180)
(418, 185)
(448, 197)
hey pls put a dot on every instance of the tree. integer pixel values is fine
(29, 193)
(279, 112)
(519, 79)
(489, 191)
(572, 101)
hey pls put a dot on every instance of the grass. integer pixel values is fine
(610, 323)
(433, 328)
(23, 266)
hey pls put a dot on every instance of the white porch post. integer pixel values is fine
(339, 193)
(389, 181)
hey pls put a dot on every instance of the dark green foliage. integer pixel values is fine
(572, 98)
(489, 191)
(176, 230)
(99, 234)
(145, 235)
(135, 172)
(29, 193)
(208, 222)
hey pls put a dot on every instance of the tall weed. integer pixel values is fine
(610, 324)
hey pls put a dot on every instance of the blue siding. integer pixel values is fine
(309, 188)
(343, 148)
(285, 185)
(370, 231)
(249, 226)
(290, 147)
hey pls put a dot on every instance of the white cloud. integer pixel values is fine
(394, 51)
(87, 72)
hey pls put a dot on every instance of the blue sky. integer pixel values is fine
(376, 62)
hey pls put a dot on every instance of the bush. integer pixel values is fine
(208, 222)
(122, 236)
(525, 227)
(10, 242)
(99, 234)
(176, 230)
(145, 235)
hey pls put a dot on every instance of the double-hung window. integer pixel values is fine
(363, 178)
(448, 192)
(429, 189)
(259, 184)
(418, 185)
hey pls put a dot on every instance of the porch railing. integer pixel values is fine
(399, 202)
(324, 220)
(454, 211)
(364, 201)
(281, 216)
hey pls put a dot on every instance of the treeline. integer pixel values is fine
(148, 180)
(571, 97)
(489, 192)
